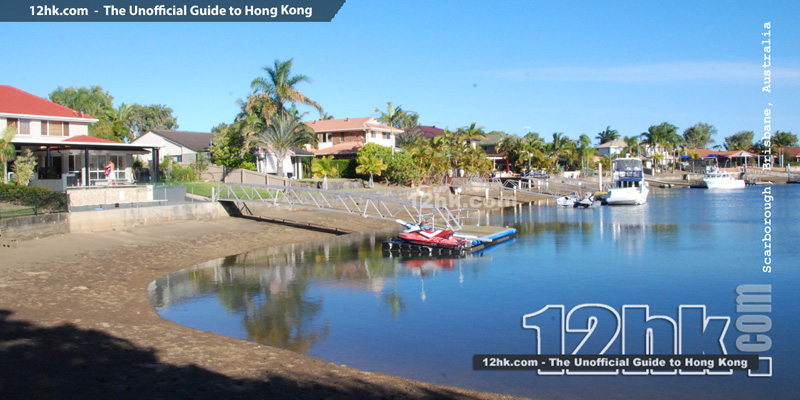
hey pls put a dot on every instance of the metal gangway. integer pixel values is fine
(365, 205)
(549, 187)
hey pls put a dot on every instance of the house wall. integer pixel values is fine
(379, 138)
(169, 149)
(268, 163)
(35, 131)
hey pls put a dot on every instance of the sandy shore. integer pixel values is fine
(75, 321)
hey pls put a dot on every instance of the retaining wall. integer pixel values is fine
(106, 220)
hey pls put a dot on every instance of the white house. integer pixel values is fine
(181, 146)
(611, 148)
(345, 137)
(59, 137)
(266, 162)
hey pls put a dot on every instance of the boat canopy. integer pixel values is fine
(627, 164)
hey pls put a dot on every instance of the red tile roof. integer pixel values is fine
(15, 101)
(349, 124)
(703, 153)
(341, 148)
(86, 139)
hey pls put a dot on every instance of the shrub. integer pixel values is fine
(44, 199)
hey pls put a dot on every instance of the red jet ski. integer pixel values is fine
(424, 235)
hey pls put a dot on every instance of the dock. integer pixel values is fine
(494, 234)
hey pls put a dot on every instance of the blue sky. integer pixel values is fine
(516, 66)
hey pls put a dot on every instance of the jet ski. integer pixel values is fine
(427, 236)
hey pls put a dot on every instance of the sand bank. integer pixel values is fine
(75, 321)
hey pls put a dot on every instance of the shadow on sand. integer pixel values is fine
(67, 362)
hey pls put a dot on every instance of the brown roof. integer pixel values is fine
(431, 131)
(350, 124)
(195, 141)
(15, 101)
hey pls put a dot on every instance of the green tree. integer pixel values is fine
(698, 136)
(115, 124)
(657, 138)
(323, 167)
(472, 132)
(560, 146)
(91, 101)
(142, 119)
(585, 149)
(272, 93)
(200, 164)
(282, 134)
(7, 150)
(607, 135)
(24, 167)
(227, 149)
(742, 140)
(370, 165)
(632, 145)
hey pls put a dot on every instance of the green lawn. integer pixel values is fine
(14, 211)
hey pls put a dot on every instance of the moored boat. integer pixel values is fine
(718, 179)
(627, 182)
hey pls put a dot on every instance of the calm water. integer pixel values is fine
(341, 300)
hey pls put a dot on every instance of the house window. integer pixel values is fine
(12, 121)
(44, 128)
(374, 135)
(341, 137)
(178, 158)
(56, 129)
(24, 127)
(387, 135)
(66, 128)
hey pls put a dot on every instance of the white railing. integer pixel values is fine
(346, 202)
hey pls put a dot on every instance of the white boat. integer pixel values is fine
(716, 179)
(627, 182)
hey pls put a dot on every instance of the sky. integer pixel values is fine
(513, 66)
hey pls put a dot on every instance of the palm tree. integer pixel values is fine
(632, 143)
(781, 140)
(282, 134)
(558, 147)
(585, 149)
(7, 150)
(472, 132)
(658, 136)
(323, 167)
(607, 135)
(271, 93)
(370, 165)
(391, 115)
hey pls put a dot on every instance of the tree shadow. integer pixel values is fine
(67, 362)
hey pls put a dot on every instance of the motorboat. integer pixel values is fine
(421, 234)
(627, 182)
(567, 201)
(719, 179)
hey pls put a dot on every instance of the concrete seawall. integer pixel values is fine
(106, 220)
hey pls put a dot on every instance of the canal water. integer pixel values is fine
(342, 300)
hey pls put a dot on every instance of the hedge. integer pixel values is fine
(30, 196)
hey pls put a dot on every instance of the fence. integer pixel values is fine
(25, 201)
(217, 173)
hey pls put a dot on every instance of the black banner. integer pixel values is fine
(169, 10)
(614, 361)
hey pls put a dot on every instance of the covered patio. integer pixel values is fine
(79, 161)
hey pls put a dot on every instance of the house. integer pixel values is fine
(430, 132)
(266, 162)
(59, 137)
(343, 138)
(181, 146)
(490, 147)
(611, 148)
(726, 158)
